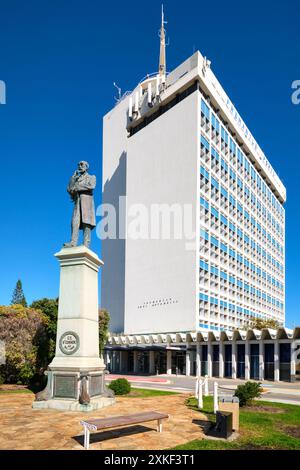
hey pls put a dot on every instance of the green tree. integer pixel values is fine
(23, 331)
(103, 328)
(18, 297)
(259, 323)
(49, 307)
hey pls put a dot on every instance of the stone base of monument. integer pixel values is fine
(74, 391)
(75, 377)
(68, 405)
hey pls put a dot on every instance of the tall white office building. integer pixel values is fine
(178, 141)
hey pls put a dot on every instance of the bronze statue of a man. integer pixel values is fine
(81, 188)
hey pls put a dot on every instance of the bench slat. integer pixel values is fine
(104, 423)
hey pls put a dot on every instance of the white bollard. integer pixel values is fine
(206, 393)
(216, 406)
(197, 387)
(200, 395)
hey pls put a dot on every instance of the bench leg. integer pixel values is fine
(86, 438)
(159, 425)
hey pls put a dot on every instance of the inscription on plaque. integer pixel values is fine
(69, 342)
(65, 386)
(96, 382)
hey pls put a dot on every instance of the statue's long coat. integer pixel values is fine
(81, 190)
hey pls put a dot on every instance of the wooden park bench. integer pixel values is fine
(116, 421)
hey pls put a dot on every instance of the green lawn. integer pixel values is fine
(258, 429)
(14, 391)
(143, 392)
(135, 392)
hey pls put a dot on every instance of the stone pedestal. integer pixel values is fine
(76, 374)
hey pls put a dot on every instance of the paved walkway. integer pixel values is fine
(282, 392)
(25, 428)
(138, 378)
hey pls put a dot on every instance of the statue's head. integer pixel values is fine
(83, 166)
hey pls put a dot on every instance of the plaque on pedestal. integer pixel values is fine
(76, 374)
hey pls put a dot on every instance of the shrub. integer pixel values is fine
(103, 328)
(23, 331)
(120, 386)
(26, 373)
(247, 392)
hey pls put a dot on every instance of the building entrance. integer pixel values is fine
(254, 361)
(269, 362)
(160, 361)
(204, 352)
(215, 360)
(178, 362)
(228, 361)
(285, 361)
(240, 363)
(143, 362)
(130, 361)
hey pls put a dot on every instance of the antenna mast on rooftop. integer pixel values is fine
(118, 98)
(162, 53)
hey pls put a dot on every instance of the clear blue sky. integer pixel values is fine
(59, 59)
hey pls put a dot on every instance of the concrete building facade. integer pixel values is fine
(245, 354)
(177, 142)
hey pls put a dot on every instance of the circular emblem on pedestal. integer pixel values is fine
(69, 342)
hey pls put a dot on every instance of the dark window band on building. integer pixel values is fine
(164, 108)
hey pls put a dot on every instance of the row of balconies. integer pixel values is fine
(215, 136)
(234, 292)
(216, 250)
(205, 123)
(235, 239)
(257, 280)
(239, 267)
(233, 161)
(246, 202)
